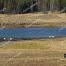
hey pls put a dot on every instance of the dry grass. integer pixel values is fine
(48, 52)
(33, 17)
(32, 58)
(49, 20)
(47, 44)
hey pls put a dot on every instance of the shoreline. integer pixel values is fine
(32, 25)
(27, 39)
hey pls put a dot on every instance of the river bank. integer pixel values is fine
(33, 52)
(32, 20)
(32, 25)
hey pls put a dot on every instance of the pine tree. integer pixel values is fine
(14, 6)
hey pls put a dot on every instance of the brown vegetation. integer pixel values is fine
(33, 20)
(48, 52)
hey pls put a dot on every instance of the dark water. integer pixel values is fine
(33, 32)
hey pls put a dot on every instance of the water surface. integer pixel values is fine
(33, 32)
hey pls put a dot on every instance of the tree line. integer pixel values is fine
(25, 6)
(52, 5)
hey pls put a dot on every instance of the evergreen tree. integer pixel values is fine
(15, 6)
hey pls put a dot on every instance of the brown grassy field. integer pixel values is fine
(34, 20)
(32, 17)
(46, 52)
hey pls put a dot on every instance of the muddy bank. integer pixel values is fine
(32, 25)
